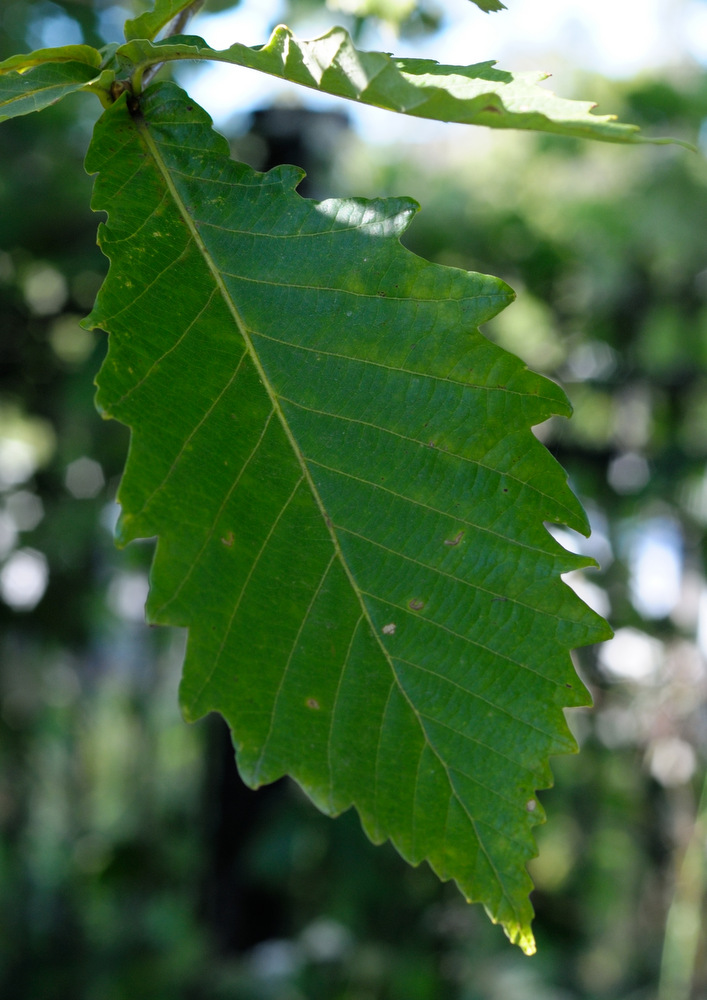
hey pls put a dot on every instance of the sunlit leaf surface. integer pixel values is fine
(473, 95)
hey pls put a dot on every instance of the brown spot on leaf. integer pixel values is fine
(389, 629)
(416, 605)
(228, 539)
(312, 703)
(454, 541)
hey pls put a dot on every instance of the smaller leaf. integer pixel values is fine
(394, 12)
(147, 25)
(472, 95)
(42, 85)
(66, 53)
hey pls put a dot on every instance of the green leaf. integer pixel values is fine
(147, 25)
(348, 497)
(42, 85)
(489, 5)
(474, 95)
(66, 53)
(395, 12)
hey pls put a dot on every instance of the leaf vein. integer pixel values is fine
(470, 739)
(212, 529)
(449, 576)
(246, 582)
(404, 437)
(376, 770)
(318, 289)
(404, 371)
(428, 507)
(148, 287)
(458, 635)
(334, 707)
(214, 403)
(305, 619)
(158, 361)
(477, 696)
(135, 232)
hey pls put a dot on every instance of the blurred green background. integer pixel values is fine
(133, 862)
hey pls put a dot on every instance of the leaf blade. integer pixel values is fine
(367, 539)
(472, 95)
(148, 24)
(489, 6)
(45, 84)
(66, 53)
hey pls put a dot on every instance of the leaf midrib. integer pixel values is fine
(244, 331)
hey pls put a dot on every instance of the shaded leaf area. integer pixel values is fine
(43, 84)
(474, 95)
(65, 53)
(348, 497)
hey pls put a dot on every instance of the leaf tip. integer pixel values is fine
(490, 6)
(521, 935)
(527, 944)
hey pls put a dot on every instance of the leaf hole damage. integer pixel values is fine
(454, 541)
(531, 805)
(389, 629)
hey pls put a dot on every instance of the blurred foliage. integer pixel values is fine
(133, 863)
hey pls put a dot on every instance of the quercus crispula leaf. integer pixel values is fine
(349, 501)
(480, 94)
(33, 81)
(474, 95)
(65, 53)
(489, 5)
(149, 24)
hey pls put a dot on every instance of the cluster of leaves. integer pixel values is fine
(340, 470)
